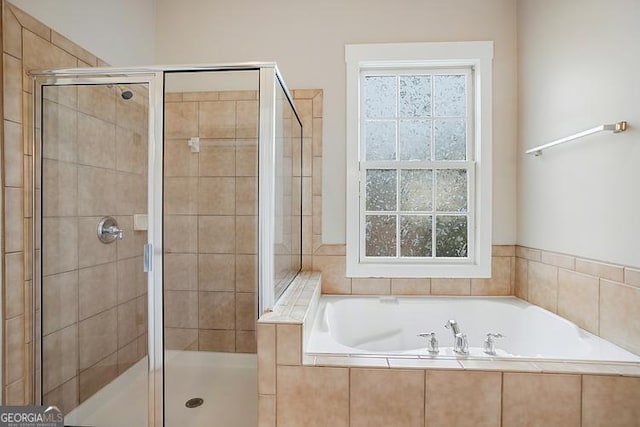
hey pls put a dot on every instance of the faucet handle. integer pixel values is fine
(432, 344)
(490, 343)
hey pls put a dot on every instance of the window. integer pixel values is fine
(418, 158)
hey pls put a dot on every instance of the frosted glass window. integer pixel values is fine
(415, 139)
(449, 95)
(451, 236)
(381, 235)
(380, 140)
(415, 235)
(450, 139)
(451, 185)
(416, 190)
(415, 96)
(381, 189)
(380, 97)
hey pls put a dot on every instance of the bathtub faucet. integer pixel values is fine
(461, 346)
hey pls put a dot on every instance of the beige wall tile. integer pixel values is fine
(97, 196)
(194, 96)
(266, 411)
(217, 160)
(610, 401)
(540, 400)
(451, 286)
(15, 393)
(60, 357)
(503, 250)
(14, 295)
(211, 340)
(132, 321)
(132, 194)
(216, 196)
(13, 154)
(91, 251)
(65, 396)
(131, 114)
(367, 286)
(232, 95)
(61, 295)
(619, 313)
(246, 273)
(180, 339)
(247, 158)
(181, 272)
(247, 119)
(181, 196)
(317, 137)
(127, 356)
(30, 22)
(500, 281)
(400, 402)
(60, 182)
(542, 285)
(528, 253)
(181, 120)
(522, 278)
(132, 280)
(181, 309)
(289, 344)
(131, 151)
(312, 397)
(69, 46)
(180, 161)
(632, 277)
(333, 269)
(60, 130)
(600, 269)
(216, 272)
(97, 289)
(98, 101)
(214, 235)
(410, 286)
(12, 34)
(40, 54)
(246, 196)
(133, 243)
(578, 299)
(463, 398)
(246, 342)
(14, 349)
(266, 340)
(97, 336)
(60, 245)
(97, 142)
(13, 220)
(245, 311)
(181, 234)
(217, 119)
(99, 375)
(559, 260)
(246, 234)
(216, 310)
(12, 81)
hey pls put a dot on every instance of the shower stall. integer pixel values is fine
(167, 217)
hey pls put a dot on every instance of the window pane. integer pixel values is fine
(381, 235)
(451, 236)
(415, 235)
(449, 96)
(451, 190)
(381, 189)
(415, 96)
(416, 190)
(380, 140)
(415, 139)
(380, 97)
(450, 138)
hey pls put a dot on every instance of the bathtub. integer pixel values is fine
(349, 325)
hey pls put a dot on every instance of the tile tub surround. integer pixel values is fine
(298, 389)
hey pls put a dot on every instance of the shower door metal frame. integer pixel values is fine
(269, 77)
(155, 350)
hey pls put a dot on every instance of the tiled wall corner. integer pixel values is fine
(599, 297)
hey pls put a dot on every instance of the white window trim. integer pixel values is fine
(479, 55)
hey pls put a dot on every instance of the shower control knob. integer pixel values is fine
(108, 230)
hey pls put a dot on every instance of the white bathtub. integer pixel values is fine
(390, 325)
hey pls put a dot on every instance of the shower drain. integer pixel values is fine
(194, 402)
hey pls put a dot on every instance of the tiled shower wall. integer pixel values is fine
(211, 221)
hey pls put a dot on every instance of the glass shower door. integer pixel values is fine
(93, 204)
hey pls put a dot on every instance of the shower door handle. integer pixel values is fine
(148, 259)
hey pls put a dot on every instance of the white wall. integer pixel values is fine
(578, 68)
(121, 32)
(307, 40)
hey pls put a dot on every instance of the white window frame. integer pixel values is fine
(406, 56)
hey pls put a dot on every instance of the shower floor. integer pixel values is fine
(226, 381)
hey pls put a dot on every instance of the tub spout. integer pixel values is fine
(453, 325)
(461, 345)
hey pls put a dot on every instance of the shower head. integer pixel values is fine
(126, 93)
